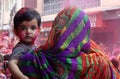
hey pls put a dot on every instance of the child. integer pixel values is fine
(27, 27)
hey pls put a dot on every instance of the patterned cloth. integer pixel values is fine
(36, 66)
(69, 53)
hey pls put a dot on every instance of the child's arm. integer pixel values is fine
(14, 69)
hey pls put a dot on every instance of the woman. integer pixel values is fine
(69, 53)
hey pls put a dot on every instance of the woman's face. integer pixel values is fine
(28, 31)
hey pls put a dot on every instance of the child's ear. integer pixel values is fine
(15, 31)
(39, 29)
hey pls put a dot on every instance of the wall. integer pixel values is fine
(110, 3)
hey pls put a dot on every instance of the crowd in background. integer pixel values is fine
(114, 55)
(6, 45)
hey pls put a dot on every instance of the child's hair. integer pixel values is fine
(26, 14)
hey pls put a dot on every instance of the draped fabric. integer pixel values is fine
(68, 53)
(35, 66)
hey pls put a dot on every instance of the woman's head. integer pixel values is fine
(70, 30)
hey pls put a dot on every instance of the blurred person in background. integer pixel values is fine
(115, 62)
(2, 70)
(116, 49)
(118, 57)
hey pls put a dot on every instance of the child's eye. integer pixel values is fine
(33, 27)
(23, 28)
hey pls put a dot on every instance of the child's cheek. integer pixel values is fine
(21, 34)
(36, 33)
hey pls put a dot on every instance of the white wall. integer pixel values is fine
(110, 3)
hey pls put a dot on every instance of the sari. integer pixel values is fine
(69, 53)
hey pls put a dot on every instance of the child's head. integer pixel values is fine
(27, 25)
(26, 14)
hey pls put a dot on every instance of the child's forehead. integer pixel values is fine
(29, 23)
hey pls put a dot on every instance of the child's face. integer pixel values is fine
(28, 31)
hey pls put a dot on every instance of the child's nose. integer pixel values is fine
(28, 31)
